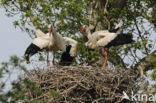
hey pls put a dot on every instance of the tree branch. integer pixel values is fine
(147, 62)
(27, 9)
(105, 9)
(108, 23)
(141, 37)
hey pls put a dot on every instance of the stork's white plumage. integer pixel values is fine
(51, 41)
(105, 38)
(100, 38)
(62, 42)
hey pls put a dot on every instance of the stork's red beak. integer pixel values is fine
(50, 30)
(82, 30)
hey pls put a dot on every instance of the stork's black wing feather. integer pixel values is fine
(31, 50)
(121, 39)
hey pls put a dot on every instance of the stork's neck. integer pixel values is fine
(88, 32)
(52, 32)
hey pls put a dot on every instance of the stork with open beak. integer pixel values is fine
(105, 39)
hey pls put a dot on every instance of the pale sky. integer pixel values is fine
(12, 41)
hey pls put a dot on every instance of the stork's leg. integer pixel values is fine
(106, 57)
(48, 64)
(53, 62)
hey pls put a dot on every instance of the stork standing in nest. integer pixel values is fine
(105, 39)
(53, 42)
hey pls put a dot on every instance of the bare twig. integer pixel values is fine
(81, 83)
(105, 9)
(107, 21)
(141, 37)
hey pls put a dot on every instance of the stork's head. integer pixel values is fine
(83, 29)
(50, 26)
(119, 25)
(51, 30)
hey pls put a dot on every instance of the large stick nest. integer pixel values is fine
(80, 84)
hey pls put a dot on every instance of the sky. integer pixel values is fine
(12, 40)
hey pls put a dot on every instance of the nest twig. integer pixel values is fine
(81, 84)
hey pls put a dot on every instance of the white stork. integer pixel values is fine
(51, 41)
(105, 39)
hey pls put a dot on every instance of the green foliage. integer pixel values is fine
(6, 70)
(154, 86)
(67, 14)
(153, 75)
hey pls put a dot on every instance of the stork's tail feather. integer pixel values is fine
(66, 59)
(121, 39)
